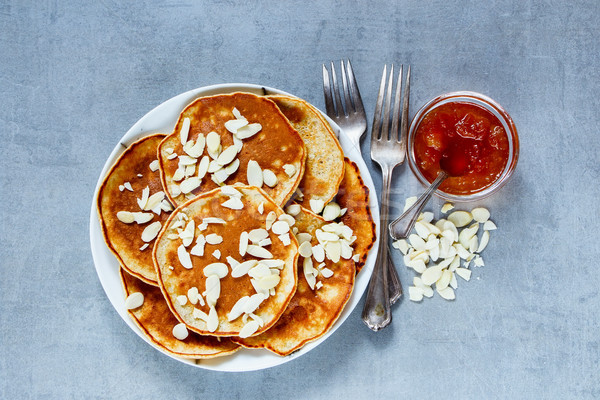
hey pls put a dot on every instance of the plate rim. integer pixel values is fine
(151, 123)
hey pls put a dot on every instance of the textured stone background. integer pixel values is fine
(74, 76)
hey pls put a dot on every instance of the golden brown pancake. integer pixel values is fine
(354, 195)
(325, 158)
(155, 319)
(125, 239)
(277, 147)
(176, 280)
(312, 312)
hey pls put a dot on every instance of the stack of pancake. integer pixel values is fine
(244, 227)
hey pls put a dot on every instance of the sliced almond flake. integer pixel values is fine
(125, 217)
(150, 232)
(184, 131)
(309, 273)
(213, 238)
(303, 237)
(478, 262)
(234, 124)
(291, 221)
(220, 176)
(154, 166)
(418, 265)
(293, 209)
(144, 246)
(214, 166)
(422, 230)
(175, 190)
(187, 160)
(444, 280)
(316, 205)
(169, 150)
(238, 143)
(121, 188)
(258, 319)
(203, 167)
(258, 251)
(259, 271)
(489, 225)
(473, 244)
(431, 275)
(254, 174)
(455, 263)
(212, 322)
(154, 200)
(485, 238)
(290, 170)
(213, 142)
(213, 220)
(238, 308)
(319, 253)
(127, 186)
(480, 214)
(249, 329)
(172, 156)
(326, 273)
(324, 237)
(192, 295)
(253, 303)
(247, 131)
(333, 251)
(243, 246)
(426, 217)
(243, 268)
(280, 227)
(180, 331)
(415, 293)
(409, 202)
(447, 293)
(142, 201)
(269, 282)
(231, 192)
(305, 249)
(227, 155)
(256, 235)
(261, 208)
(134, 300)
(198, 148)
(237, 114)
(271, 217)
(356, 258)
(166, 206)
(217, 254)
(453, 281)
(331, 211)
(273, 263)
(269, 178)
(401, 245)
(285, 239)
(213, 289)
(182, 300)
(203, 226)
(416, 241)
(463, 273)
(198, 249)
(189, 170)
(189, 184)
(447, 207)
(179, 174)
(318, 285)
(184, 257)
(233, 203)
(232, 262)
(232, 167)
(219, 269)
(346, 250)
(460, 218)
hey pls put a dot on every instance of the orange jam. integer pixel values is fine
(466, 138)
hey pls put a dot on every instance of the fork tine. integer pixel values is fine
(376, 130)
(404, 125)
(327, 92)
(385, 130)
(395, 134)
(336, 92)
(354, 93)
(348, 100)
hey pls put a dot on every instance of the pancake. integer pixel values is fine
(155, 319)
(312, 312)
(354, 196)
(114, 197)
(211, 274)
(276, 147)
(325, 158)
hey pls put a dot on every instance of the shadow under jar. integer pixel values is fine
(464, 126)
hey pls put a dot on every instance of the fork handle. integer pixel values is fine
(376, 312)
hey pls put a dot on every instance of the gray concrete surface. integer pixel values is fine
(74, 76)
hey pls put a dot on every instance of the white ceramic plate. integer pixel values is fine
(163, 119)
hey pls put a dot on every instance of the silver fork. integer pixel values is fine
(388, 149)
(351, 117)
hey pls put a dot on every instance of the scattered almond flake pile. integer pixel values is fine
(437, 249)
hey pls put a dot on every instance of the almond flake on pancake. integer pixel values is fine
(233, 203)
(291, 221)
(280, 227)
(145, 194)
(219, 269)
(227, 155)
(184, 257)
(187, 160)
(125, 217)
(243, 246)
(180, 331)
(127, 186)
(331, 211)
(303, 237)
(150, 232)
(179, 174)
(265, 242)
(269, 178)
(326, 272)
(185, 130)
(154, 200)
(309, 275)
(203, 167)
(187, 234)
(256, 235)
(213, 238)
(213, 142)
(318, 252)
(254, 174)
(182, 300)
(192, 295)
(197, 148)
(212, 322)
(214, 166)
(237, 309)
(198, 249)
(305, 249)
(231, 192)
(285, 239)
(144, 246)
(271, 217)
(213, 289)
(247, 131)
(199, 314)
(121, 188)
(234, 125)
(237, 114)
(154, 166)
(238, 143)
(289, 169)
(134, 300)
(213, 220)
(258, 251)
(249, 329)
(172, 156)
(316, 205)
(189, 184)
(242, 268)
(293, 209)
